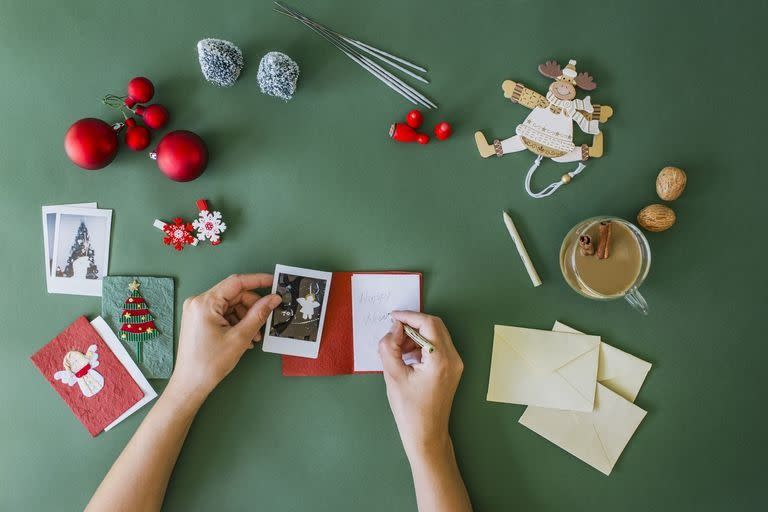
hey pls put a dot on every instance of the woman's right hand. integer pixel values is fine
(420, 395)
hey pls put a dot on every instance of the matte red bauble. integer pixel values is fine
(137, 137)
(140, 89)
(155, 116)
(91, 143)
(181, 155)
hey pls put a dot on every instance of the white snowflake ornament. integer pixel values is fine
(208, 224)
(80, 369)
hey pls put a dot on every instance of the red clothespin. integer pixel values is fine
(209, 224)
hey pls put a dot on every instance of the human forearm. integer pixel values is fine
(139, 477)
(436, 477)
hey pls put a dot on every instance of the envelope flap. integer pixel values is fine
(615, 421)
(617, 363)
(545, 350)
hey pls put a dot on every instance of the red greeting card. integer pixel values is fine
(336, 356)
(87, 375)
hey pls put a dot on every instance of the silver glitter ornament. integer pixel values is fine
(278, 74)
(221, 61)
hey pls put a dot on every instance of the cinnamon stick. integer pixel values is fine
(586, 246)
(604, 244)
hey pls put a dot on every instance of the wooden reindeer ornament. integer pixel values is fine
(548, 129)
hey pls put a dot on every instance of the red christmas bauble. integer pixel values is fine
(414, 119)
(155, 116)
(181, 155)
(137, 137)
(140, 89)
(443, 130)
(91, 143)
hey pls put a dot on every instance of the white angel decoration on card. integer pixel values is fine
(80, 369)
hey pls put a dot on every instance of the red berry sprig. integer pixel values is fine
(140, 91)
(406, 132)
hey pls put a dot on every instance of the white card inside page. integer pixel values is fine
(374, 296)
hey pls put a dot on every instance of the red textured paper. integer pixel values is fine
(336, 355)
(119, 393)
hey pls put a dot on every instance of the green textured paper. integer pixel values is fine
(158, 292)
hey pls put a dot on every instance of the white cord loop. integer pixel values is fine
(552, 187)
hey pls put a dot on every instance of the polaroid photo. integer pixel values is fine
(49, 231)
(295, 327)
(80, 255)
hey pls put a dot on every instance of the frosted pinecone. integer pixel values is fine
(220, 61)
(278, 74)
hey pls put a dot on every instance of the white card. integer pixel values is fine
(79, 263)
(295, 327)
(374, 296)
(125, 359)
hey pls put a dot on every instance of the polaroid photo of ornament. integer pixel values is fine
(49, 231)
(295, 327)
(80, 254)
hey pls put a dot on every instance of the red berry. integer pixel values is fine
(130, 122)
(140, 90)
(443, 130)
(137, 137)
(422, 138)
(414, 119)
(155, 116)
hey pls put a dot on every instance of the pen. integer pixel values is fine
(418, 338)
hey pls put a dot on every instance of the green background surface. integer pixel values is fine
(315, 182)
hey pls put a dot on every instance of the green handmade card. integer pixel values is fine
(140, 312)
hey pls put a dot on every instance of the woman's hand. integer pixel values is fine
(217, 327)
(420, 395)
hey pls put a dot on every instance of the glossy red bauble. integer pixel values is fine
(155, 116)
(181, 155)
(140, 89)
(137, 137)
(422, 138)
(443, 130)
(91, 143)
(414, 119)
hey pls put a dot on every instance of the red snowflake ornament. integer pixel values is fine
(178, 234)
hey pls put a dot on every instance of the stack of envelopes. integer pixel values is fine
(580, 391)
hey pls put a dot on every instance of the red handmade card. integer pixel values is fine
(336, 355)
(87, 375)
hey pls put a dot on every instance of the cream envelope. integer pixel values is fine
(544, 368)
(596, 437)
(620, 372)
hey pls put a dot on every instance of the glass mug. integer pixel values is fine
(619, 275)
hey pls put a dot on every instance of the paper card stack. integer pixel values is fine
(580, 390)
(93, 373)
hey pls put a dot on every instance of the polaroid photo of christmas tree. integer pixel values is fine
(139, 310)
(295, 327)
(80, 249)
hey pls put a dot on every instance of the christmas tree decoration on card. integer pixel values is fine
(548, 129)
(80, 369)
(69, 363)
(277, 75)
(138, 322)
(177, 234)
(209, 225)
(220, 61)
(143, 320)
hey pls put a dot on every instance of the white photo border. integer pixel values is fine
(71, 286)
(291, 346)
